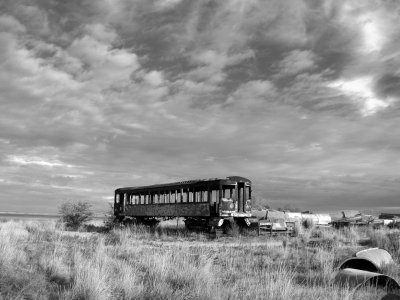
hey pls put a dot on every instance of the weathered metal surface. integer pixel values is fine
(188, 183)
(323, 219)
(274, 215)
(355, 278)
(360, 264)
(193, 198)
(391, 296)
(294, 216)
(379, 257)
(169, 210)
(317, 219)
(389, 216)
(358, 219)
(259, 214)
(387, 222)
(372, 260)
(276, 219)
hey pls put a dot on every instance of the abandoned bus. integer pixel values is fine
(206, 203)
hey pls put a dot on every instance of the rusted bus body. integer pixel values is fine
(206, 199)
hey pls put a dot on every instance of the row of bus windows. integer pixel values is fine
(177, 196)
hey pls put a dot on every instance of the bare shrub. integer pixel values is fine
(75, 214)
(308, 223)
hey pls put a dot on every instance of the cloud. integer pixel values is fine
(104, 65)
(388, 86)
(24, 160)
(154, 78)
(302, 98)
(252, 96)
(359, 90)
(10, 24)
(297, 61)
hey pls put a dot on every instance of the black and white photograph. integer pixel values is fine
(200, 149)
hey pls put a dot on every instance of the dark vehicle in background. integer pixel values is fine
(204, 204)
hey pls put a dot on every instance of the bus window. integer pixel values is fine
(199, 196)
(151, 198)
(189, 195)
(228, 191)
(162, 195)
(169, 195)
(184, 196)
(194, 195)
(214, 196)
(179, 197)
(172, 198)
(205, 196)
(155, 197)
(117, 198)
(158, 197)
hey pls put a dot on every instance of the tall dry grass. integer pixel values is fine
(39, 260)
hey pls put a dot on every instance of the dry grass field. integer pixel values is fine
(40, 260)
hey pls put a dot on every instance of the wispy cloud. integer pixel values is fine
(26, 160)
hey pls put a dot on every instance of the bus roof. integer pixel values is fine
(182, 184)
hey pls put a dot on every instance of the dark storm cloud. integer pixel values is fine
(388, 86)
(301, 97)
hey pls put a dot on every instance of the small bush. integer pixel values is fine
(75, 214)
(308, 223)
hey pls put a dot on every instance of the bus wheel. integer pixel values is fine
(227, 227)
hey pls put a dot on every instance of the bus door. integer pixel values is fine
(241, 197)
(228, 196)
(119, 203)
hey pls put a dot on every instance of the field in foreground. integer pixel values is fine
(40, 260)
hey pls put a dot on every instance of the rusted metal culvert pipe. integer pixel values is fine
(359, 278)
(364, 269)
(372, 260)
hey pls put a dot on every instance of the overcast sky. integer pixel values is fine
(301, 97)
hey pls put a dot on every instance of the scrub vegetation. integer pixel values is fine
(75, 214)
(42, 260)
